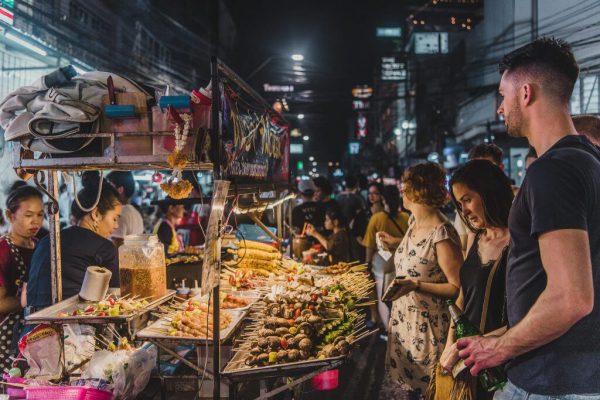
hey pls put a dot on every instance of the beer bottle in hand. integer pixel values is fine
(491, 379)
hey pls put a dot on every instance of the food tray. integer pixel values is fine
(237, 369)
(158, 330)
(50, 314)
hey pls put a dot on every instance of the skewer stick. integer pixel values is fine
(19, 385)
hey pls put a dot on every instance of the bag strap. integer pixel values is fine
(488, 289)
(397, 225)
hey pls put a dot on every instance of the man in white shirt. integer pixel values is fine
(130, 222)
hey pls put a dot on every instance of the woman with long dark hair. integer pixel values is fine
(96, 209)
(483, 196)
(25, 212)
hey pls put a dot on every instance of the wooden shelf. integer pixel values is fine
(109, 160)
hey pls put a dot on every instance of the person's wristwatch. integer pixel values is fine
(418, 286)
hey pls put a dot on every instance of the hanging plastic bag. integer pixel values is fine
(41, 348)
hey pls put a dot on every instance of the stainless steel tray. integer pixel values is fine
(158, 330)
(50, 314)
(236, 368)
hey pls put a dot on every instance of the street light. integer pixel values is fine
(305, 138)
(295, 57)
(300, 116)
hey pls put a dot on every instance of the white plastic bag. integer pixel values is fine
(127, 370)
(79, 344)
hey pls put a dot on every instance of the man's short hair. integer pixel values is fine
(123, 179)
(323, 184)
(588, 125)
(351, 182)
(548, 59)
(488, 151)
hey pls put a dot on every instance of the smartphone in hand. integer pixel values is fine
(392, 290)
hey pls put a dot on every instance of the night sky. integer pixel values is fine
(338, 42)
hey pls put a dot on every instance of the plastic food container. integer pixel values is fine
(142, 269)
(66, 393)
(328, 380)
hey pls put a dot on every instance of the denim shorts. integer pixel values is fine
(512, 392)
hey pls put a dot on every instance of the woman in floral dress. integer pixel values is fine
(429, 259)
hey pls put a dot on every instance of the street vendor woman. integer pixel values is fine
(173, 212)
(25, 212)
(96, 209)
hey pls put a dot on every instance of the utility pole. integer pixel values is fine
(534, 19)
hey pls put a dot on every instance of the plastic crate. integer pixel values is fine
(66, 393)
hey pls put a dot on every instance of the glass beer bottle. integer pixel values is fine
(491, 379)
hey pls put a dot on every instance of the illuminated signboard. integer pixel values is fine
(361, 126)
(296, 148)
(392, 69)
(431, 42)
(360, 105)
(362, 92)
(392, 32)
(7, 11)
(299, 165)
(278, 88)
(353, 147)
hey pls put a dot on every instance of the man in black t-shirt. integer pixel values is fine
(553, 270)
(309, 211)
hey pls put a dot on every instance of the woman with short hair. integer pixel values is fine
(428, 261)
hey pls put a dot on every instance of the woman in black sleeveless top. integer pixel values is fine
(483, 197)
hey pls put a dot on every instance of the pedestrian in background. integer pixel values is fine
(130, 222)
(393, 222)
(588, 125)
(375, 198)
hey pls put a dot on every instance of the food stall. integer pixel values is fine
(246, 300)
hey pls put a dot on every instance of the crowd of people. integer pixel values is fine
(521, 263)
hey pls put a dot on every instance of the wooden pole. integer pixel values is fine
(54, 225)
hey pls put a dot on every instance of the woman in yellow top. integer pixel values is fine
(173, 212)
(395, 223)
